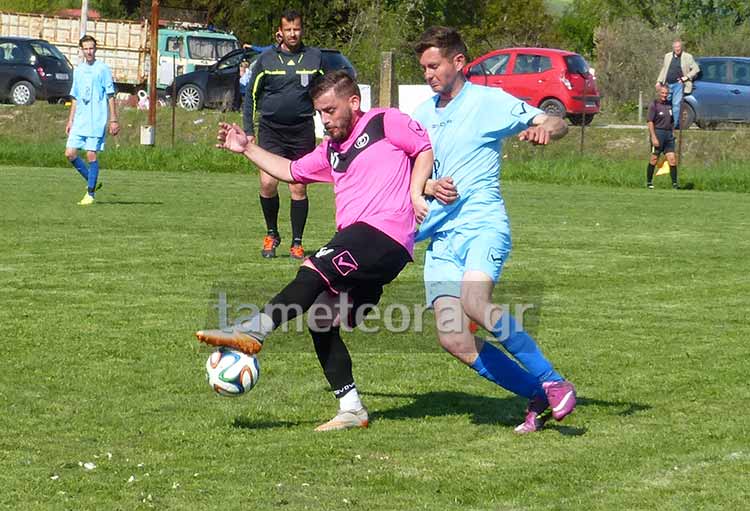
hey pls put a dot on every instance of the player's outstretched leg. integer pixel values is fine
(292, 301)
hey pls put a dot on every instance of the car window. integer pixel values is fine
(495, 65)
(527, 63)
(334, 60)
(174, 44)
(46, 50)
(741, 73)
(714, 71)
(209, 48)
(576, 64)
(232, 60)
(13, 53)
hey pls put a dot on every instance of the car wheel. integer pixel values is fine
(190, 97)
(578, 119)
(22, 93)
(687, 116)
(553, 107)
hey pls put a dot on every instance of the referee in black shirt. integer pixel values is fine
(277, 94)
(661, 129)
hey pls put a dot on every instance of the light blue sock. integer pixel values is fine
(497, 367)
(93, 175)
(80, 166)
(522, 346)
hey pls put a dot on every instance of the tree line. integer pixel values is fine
(624, 39)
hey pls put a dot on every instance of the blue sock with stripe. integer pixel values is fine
(93, 175)
(80, 166)
(524, 348)
(500, 369)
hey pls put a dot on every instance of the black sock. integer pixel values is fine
(649, 173)
(673, 174)
(335, 360)
(298, 213)
(296, 297)
(270, 207)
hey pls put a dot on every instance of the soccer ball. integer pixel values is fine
(231, 373)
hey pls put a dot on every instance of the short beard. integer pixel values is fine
(348, 123)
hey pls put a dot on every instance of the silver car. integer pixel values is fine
(721, 92)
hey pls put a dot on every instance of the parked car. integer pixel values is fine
(215, 85)
(721, 92)
(31, 69)
(557, 81)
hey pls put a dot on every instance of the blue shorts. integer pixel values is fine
(87, 143)
(452, 254)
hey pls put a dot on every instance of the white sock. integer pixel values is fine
(350, 401)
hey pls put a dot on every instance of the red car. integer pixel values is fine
(555, 81)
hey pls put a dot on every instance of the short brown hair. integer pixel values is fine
(340, 81)
(445, 39)
(290, 15)
(85, 39)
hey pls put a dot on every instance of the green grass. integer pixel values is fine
(711, 160)
(643, 301)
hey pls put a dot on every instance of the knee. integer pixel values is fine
(461, 345)
(474, 307)
(297, 191)
(71, 153)
(91, 156)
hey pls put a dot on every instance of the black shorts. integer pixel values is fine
(360, 260)
(291, 142)
(666, 142)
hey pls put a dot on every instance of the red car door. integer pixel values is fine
(491, 71)
(531, 76)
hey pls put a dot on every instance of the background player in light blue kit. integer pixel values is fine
(470, 230)
(93, 95)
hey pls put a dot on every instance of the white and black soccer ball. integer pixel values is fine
(231, 373)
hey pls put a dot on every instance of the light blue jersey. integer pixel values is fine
(92, 86)
(466, 139)
(473, 233)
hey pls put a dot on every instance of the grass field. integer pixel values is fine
(643, 298)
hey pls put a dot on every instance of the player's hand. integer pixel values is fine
(537, 135)
(114, 128)
(655, 142)
(231, 138)
(442, 189)
(251, 139)
(421, 208)
(68, 127)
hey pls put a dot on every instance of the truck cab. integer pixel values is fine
(183, 51)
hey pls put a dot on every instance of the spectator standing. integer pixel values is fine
(677, 72)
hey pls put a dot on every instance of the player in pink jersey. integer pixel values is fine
(374, 161)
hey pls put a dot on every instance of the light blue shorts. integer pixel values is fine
(452, 254)
(87, 143)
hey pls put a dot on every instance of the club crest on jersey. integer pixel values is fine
(362, 141)
(334, 159)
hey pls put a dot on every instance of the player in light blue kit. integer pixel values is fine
(469, 226)
(93, 95)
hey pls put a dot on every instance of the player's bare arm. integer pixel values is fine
(544, 128)
(232, 138)
(652, 132)
(71, 116)
(419, 175)
(114, 123)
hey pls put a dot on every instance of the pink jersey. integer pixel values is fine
(371, 172)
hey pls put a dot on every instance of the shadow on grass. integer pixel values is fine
(483, 410)
(128, 203)
(247, 423)
(505, 411)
